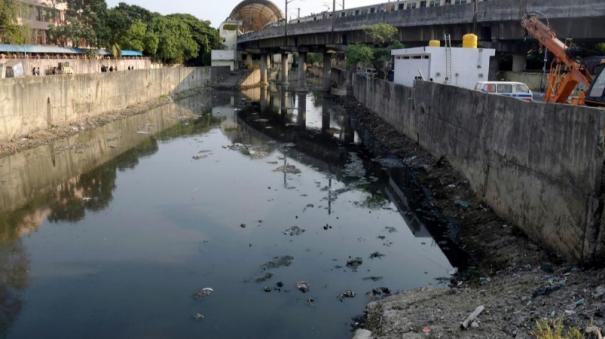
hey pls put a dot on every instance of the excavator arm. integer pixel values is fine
(566, 74)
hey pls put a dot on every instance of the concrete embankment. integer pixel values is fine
(37, 103)
(537, 165)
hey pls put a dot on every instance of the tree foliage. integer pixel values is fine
(359, 54)
(86, 24)
(176, 43)
(10, 32)
(176, 38)
(382, 34)
(377, 54)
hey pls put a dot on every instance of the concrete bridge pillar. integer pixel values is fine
(302, 78)
(327, 72)
(519, 62)
(264, 71)
(284, 68)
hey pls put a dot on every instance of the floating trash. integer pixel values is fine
(204, 292)
(347, 294)
(303, 286)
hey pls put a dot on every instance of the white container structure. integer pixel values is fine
(462, 67)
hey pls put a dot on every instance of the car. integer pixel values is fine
(511, 89)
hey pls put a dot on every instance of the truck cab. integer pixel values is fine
(596, 94)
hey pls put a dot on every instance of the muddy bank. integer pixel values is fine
(46, 136)
(515, 280)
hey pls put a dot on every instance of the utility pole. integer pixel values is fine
(476, 13)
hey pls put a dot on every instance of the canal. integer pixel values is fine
(229, 215)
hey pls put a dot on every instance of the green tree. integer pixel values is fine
(382, 34)
(206, 37)
(175, 42)
(86, 24)
(359, 54)
(10, 31)
(134, 37)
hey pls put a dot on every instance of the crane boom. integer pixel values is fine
(566, 74)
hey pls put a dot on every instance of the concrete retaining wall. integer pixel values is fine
(31, 104)
(537, 165)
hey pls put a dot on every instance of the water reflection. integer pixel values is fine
(120, 225)
(36, 186)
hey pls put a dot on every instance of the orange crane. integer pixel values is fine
(566, 75)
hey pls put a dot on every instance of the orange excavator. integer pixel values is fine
(568, 81)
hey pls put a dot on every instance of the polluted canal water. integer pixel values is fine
(229, 215)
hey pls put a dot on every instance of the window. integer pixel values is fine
(372, 10)
(489, 88)
(400, 7)
(422, 4)
(521, 88)
(598, 89)
(505, 88)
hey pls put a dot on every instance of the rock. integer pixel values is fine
(199, 316)
(600, 312)
(267, 289)
(545, 291)
(362, 334)
(599, 292)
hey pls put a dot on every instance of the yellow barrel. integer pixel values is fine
(470, 41)
(434, 43)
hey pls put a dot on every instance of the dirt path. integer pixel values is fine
(517, 282)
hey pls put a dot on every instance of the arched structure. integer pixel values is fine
(254, 15)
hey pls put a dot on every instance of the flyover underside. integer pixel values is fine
(506, 36)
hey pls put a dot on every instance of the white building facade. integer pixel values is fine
(462, 67)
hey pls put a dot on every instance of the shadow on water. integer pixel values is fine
(327, 141)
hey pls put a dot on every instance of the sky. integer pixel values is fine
(218, 11)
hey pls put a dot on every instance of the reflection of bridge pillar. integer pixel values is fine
(263, 99)
(327, 74)
(283, 108)
(519, 62)
(264, 77)
(325, 118)
(302, 109)
(302, 79)
(349, 132)
(284, 68)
